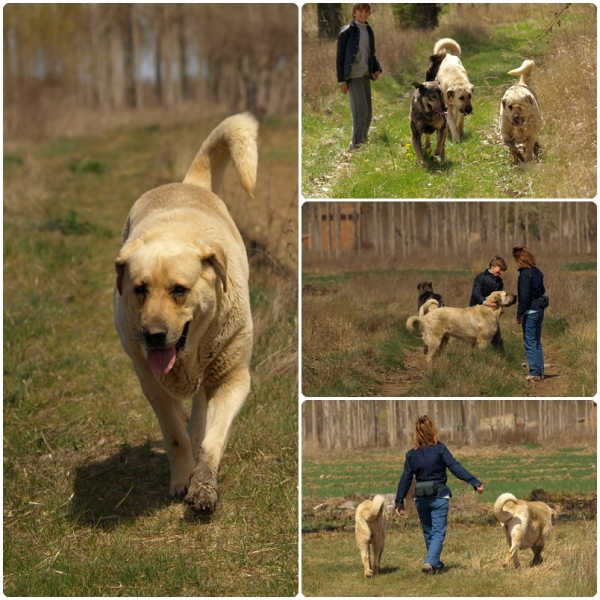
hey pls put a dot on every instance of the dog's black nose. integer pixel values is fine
(153, 338)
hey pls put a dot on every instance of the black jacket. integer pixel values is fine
(485, 283)
(529, 287)
(429, 463)
(347, 46)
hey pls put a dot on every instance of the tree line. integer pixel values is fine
(110, 56)
(367, 424)
(398, 228)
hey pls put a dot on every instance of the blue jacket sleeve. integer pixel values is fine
(404, 484)
(457, 469)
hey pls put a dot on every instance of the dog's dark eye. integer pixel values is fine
(179, 291)
(140, 290)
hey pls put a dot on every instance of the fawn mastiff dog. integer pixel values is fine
(455, 85)
(520, 115)
(525, 524)
(371, 522)
(474, 324)
(182, 308)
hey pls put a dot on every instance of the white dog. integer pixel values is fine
(454, 81)
(520, 115)
(475, 324)
(371, 522)
(525, 524)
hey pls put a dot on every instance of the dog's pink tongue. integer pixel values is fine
(161, 361)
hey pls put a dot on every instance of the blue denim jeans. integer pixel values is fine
(532, 338)
(433, 513)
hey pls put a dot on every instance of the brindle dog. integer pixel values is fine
(428, 115)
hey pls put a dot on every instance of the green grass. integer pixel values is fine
(473, 556)
(355, 341)
(571, 470)
(479, 166)
(86, 479)
(475, 547)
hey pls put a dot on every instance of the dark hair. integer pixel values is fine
(498, 261)
(523, 257)
(358, 5)
(425, 433)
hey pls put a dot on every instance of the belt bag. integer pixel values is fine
(542, 302)
(426, 489)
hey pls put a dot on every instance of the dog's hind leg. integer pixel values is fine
(537, 555)
(443, 344)
(365, 555)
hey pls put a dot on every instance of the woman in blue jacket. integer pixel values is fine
(356, 66)
(530, 312)
(427, 462)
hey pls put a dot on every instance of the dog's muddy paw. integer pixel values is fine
(368, 574)
(202, 498)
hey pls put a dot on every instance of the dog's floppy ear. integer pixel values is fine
(417, 84)
(450, 93)
(216, 256)
(121, 260)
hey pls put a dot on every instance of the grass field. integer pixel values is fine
(556, 470)
(479, 166)
(86, 480)
(473, 556)
(475, 547)
(355, 342)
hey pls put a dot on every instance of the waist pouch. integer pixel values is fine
(426, 489)
(542, 302)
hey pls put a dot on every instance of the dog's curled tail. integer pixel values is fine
(377, 505)
(430, 305)
(434, 67)
(233, 139)
(525, 71)
(451, 46)
(410, 323)
(502, 507)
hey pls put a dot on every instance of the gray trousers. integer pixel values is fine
(359, 90)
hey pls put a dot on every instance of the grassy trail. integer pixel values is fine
(479, 166)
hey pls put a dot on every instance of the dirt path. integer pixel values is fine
(555, 384)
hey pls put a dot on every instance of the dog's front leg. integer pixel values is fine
(172, 419)
(451, 118)
(440, 148)
(213, 414)
(416, 142)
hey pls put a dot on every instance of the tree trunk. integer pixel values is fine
(329, 19)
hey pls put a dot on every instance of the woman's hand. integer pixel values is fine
(344, 88)
(399, 511)
(479, 489)
(376, 75)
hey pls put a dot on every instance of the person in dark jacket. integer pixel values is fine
(356, 66)
(530, 314)
(484, 284)
(427, 462)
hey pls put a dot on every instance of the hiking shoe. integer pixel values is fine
(427, 569)
(534, 377)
